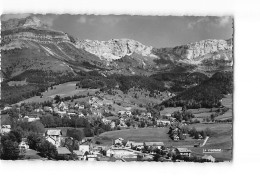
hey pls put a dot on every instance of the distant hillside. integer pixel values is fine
(180, 81)
(208, 94)
(95, 80)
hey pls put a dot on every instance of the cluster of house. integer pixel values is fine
(65, 109)
(5, 129)
(119, 151)
(86, 149)
(133, 149)
(90, 152)
(96, 106)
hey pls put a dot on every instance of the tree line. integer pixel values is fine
(206, 95)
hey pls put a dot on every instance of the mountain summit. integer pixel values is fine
(31, 21)
(115, 48)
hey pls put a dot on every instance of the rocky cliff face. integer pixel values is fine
(115, 49)
(198, 51)
(193, 53)
(201, 48)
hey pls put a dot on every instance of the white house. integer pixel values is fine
(154, 144)
(121, 112)
(48, 109)
(7, 107)
(63, 106)
(61, 113)
(209, 157)
(76, 105)
(106, 121)
(79, 154)
(55, 109)
(139, 145)
(112, 124)
(5, 129)
(53, 136)
(71, 114)
(23, 145)
(184, 151)
(84, 148)
(163, 122)
(167, 115)
(92, 157)
(38, 110)
(81, 107)
(119, 141)
(149, 115)
(30, 119)
(128, 113)
(81, 115)
(121, 153)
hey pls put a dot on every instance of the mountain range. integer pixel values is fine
(32, 51)
(28, 44)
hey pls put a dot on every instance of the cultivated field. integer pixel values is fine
(63, 90)
(221, 139)
(227, 102)
(140, 135)
(170, 110)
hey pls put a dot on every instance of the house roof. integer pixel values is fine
(138, 143)
(154, 143)
(63, 151)
(207, 157)
(130, 159)
(53, 132)
(135, 143)
(77, 152)
(182, 150)
(6, 126)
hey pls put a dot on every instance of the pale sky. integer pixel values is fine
(157, 31)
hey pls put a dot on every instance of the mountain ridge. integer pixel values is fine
(125, 56)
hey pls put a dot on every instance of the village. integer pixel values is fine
(99, 111)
